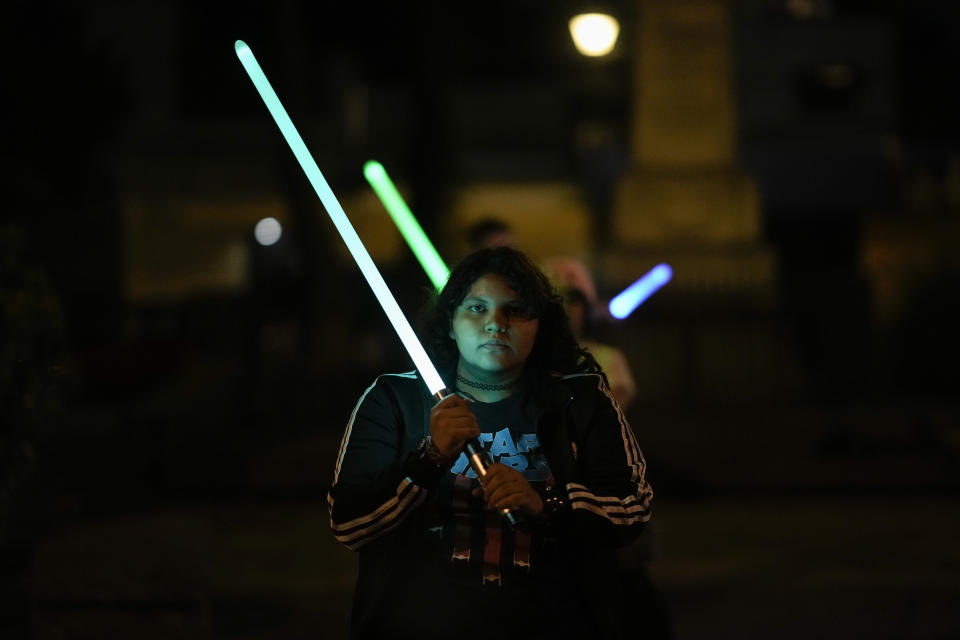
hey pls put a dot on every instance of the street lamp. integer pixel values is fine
(594, 34)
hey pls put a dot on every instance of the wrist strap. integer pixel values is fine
(431, 452)
(423, 468)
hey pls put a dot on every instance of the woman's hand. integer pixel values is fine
(451, 424)
(506, 488)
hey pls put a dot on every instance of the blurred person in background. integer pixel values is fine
(609, 357)
(490, 232)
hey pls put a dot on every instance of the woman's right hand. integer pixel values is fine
(451, 424)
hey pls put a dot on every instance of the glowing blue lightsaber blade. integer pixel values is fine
(340, 220)
(412, 232)
(633, 296)
(479, 459)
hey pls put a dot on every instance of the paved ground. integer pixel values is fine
(728, 568)
(811, 568)
(854, 534)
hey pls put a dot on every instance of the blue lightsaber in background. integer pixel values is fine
(626, 302)
(474, 451)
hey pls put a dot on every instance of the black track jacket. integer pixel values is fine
(381, 484)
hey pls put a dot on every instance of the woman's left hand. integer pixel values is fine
(505, 487)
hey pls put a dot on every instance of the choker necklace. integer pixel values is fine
(484, 386)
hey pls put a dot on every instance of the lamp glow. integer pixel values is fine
(626, 302)
(340, 220)
(267, 231)
(594, 34)
(411, 230)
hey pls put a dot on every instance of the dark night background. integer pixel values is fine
(173, 394)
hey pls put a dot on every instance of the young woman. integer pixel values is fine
(436, 558)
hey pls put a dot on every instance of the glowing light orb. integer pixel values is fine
(267, 231)
(411, 230)
(340, 220)
(594, 34)
(636, 294)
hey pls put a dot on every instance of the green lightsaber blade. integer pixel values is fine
(340, 220)
(411, 230)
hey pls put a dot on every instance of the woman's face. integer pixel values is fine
(492, 333)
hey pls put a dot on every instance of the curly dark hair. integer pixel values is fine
(555, 349)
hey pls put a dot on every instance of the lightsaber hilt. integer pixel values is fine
(480, 462)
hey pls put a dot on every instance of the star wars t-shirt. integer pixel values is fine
(515, 584)
(474, 538)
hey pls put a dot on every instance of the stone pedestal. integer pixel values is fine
(685, 201)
